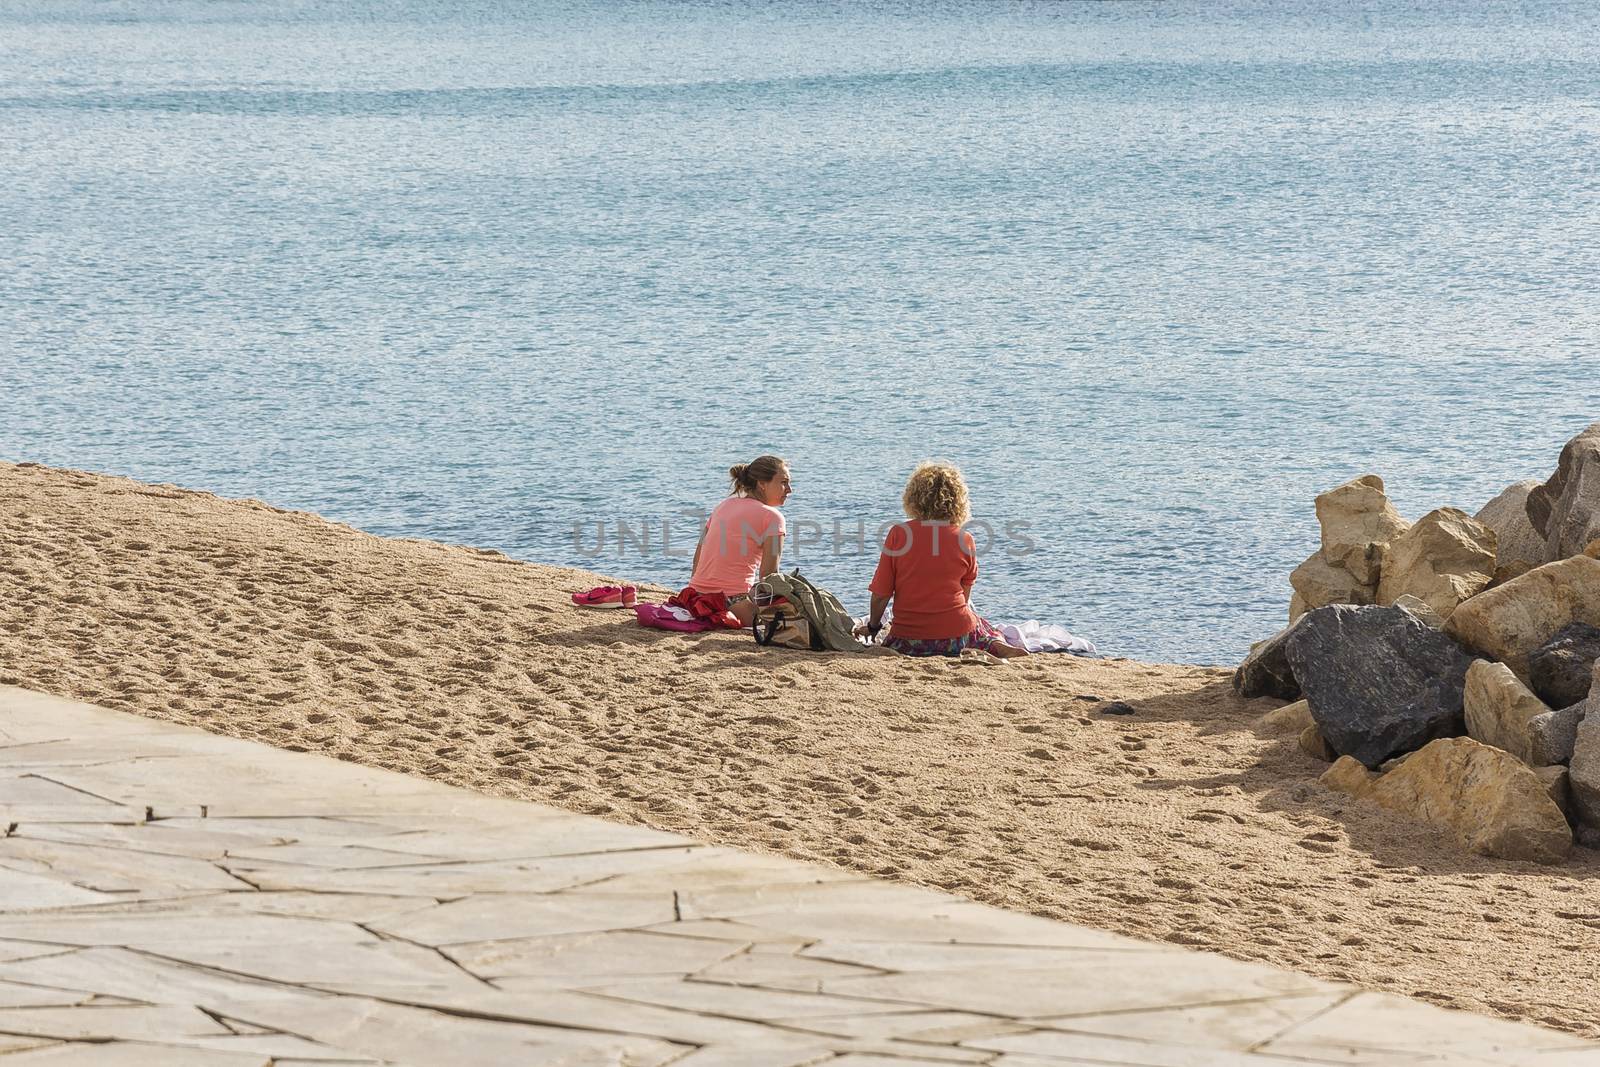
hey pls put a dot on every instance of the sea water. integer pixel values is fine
(533, 275)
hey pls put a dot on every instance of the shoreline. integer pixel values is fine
(1187, 822)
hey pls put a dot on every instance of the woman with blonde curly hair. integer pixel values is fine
(927, 569)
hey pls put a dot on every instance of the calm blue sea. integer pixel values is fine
(1153, 274)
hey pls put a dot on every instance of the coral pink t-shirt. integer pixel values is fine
(927, 568)
(730, 555)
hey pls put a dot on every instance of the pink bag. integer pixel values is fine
(661, 618)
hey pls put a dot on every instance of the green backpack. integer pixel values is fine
(832, 628)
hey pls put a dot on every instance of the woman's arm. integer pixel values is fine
(698, 545)
(771, 553)
(874, 621)
(875, 612)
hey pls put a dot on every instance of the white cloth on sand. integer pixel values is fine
(1036, 636)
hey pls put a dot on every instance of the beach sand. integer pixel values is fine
(1186, 822)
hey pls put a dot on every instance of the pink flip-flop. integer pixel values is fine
(607, 596)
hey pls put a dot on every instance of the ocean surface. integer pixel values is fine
(510, 274)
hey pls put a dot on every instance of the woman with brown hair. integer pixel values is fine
(743, 538)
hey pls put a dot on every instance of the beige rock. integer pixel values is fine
(1556, 781)
(1447, 557)
(1592, 549)
(1349, 775)
(1509, 622)
(1515, 538)
(1566, 509)
(1553, 736)
(1357, 519)
(1507, 572)
(1420, 609)
(1296, 717)
(1493, 802)
(1388, 765)
(1297, 607)
(1313, 744)
(1318, 583)
(1499, 708)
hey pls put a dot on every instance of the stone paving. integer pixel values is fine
(174, 898)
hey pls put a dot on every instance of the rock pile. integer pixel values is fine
(1403, 637)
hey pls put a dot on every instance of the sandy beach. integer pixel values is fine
(1186, 822)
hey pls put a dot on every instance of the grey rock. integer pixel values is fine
(1552, 735)
(1561, 670)
(1265, 672)
(1585, 762)
(1380, 681)
(1557, 781)
(1585, 777)
(1566, 509)
(1515, 537)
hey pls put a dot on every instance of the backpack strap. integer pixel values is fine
(764, 638)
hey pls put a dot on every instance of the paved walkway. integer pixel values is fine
(174, 898)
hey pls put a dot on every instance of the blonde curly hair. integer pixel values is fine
(936, 492)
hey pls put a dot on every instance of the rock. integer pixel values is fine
(1265, 672)
(1390, 764)
(1587, 836)
(1551, 736)
(1586, 761)
(1592, 550)
(1554, 780)
(1314, 745)
(1562, 669)
(1493, 802)
(1586, 770)
(1447, 557)
(1498, 709)
(1347, 775)
(1380, 681)
(1420, 610)
(1509, 622)
(1296, 717)
(1356, 520)
(1297, 607)
(1566, 509)
(1506, 572)
(1319, 583)
(1515, 538)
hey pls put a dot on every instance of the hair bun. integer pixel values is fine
(736, 471)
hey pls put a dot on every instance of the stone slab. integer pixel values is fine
(173, 897)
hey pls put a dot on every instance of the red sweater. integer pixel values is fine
(927, 568)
